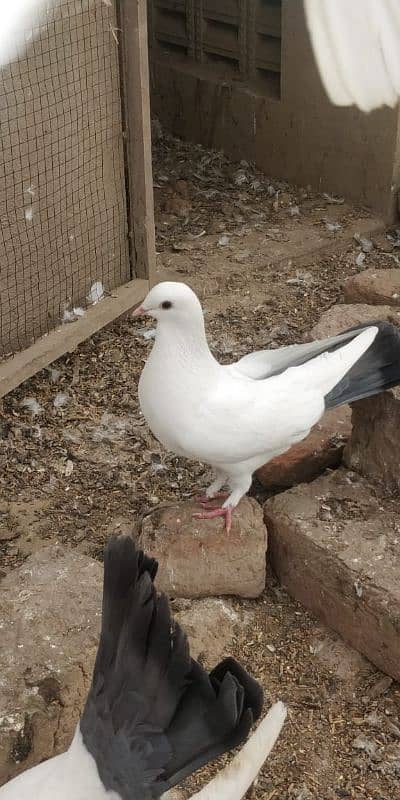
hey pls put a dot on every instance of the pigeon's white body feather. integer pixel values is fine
(70, 776)
(218, 414)
(357, 48)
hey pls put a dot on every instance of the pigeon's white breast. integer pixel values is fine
(171, 407)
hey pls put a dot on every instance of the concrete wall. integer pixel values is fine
(300, 137)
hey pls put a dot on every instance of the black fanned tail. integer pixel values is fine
(153, 714)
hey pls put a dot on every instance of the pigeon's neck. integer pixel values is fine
(186, 344)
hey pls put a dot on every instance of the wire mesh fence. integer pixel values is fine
(63, 217)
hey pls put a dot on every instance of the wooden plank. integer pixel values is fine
(136, 96)
(63, 340)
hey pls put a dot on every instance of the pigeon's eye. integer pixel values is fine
(166, 304)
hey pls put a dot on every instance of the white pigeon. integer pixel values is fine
(237, 417)
(356, 44)
(153, 715)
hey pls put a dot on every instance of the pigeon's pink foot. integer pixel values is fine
(217, 512)
(205, 500)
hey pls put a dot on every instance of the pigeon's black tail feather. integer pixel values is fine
(377, 370)
(153, 714)
(215, 716)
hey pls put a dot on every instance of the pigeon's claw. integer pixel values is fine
(212, 513)
(204, 499)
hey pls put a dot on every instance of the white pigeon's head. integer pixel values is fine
(171, 301)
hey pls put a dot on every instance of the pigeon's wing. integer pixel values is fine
(154, 715)
(266, 363)
(357, 50)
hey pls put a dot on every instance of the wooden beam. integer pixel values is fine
(19, 368)
(136, 100)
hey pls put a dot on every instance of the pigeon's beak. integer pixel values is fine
(139, 312)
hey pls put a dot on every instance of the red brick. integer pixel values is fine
(322, 449)
(334, 545)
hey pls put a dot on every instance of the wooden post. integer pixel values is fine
(136, 100)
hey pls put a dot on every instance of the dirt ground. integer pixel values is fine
(266, 260)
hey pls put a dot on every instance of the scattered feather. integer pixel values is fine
(181, 247)
(338, 201)
(316, 648)
(223, 240)
(30, 190)
(394, 240)
(363, 743)
(69, 468)
(210, 193)
(29, 213)
(61, 399)
(96, 293)
(271, 191)
(114, 33)
(72, 315)
(149, 333)
(366, 244)
(360, 260)
(294, 211)
(55, 375)
(301, 279)
(240, 177)
(333, 227)
(32, 405)
(157, 467)
(393, 257)
(37, 433)
(196, 235)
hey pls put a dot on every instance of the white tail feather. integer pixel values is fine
(233, 782)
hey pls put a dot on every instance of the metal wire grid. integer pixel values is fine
(63, 221)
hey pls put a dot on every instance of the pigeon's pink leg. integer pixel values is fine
(205, 500)
(217, 512)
